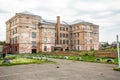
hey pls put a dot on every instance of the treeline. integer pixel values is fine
(2, 42)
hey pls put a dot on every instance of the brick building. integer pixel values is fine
(29, 33)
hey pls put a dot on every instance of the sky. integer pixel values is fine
(105, 13)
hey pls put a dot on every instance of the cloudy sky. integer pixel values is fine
(105, 13)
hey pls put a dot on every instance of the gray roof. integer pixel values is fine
(46, 21)
(76, 21)
(27, 12)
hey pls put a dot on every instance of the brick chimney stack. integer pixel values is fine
(58, 29)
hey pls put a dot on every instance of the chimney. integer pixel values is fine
(58, 29)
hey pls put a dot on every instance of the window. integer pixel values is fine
(10, 32)
(74, 34)
(55, 34)
(60, 28)
(78, 48)
(52, 40)
(15, 39)
(90, 40)
(77, 27)
(60, 34)
(45, 48)
(63, 34)
(66, 29)
(33, 26)
(74, 41)
(15, 30)
(33, 43)
(91, 34)
(85, 27)
(63, 29)
(63, 41)
(74, 28)
(67, 41)
(71, 42)
(15, 48)
(10, 40)
(78, 41)
(27, 26)
(33, 34)
(45, 39)
(85, 41)
(66, 35)
(77, 34)
(74, 48)
(85, 33)
(60, 41)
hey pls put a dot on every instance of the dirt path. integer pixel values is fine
(63, 70)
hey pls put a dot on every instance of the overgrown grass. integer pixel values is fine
(84, 57)
(20, 59)
(116, 69)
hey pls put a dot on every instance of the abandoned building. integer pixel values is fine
(29, 33)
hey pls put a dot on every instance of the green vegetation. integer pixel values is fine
(116, 69)
(87, 56)
(37, 58)
(2, 42)
(20, 59)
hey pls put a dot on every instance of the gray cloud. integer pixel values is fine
(3, 11)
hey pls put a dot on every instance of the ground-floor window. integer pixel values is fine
(52, 48)
(45, 48)
(78, 47)
(15, 48)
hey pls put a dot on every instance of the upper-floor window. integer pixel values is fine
(77, 27)
(15, 30)
(85, 27)
(52, 40)
(60, 34)
(66, 35)
(45, 48)
(34, 26)
(66, 29)
(91, 34)
(78, 42)
(63, 29)
(63, 41)
(33, 43)
(15, 39)
(45, 39)
(90, 40)
(33, 34)
(60, 41)
(67, 41)
(63, 34)
(60, 28)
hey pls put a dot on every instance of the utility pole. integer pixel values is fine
(118, 51)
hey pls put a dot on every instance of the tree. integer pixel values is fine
(2, 42)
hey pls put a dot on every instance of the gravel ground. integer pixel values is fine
(63, 70)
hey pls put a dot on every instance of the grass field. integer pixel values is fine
(37, 58)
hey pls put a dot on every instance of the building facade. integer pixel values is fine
(29, 33)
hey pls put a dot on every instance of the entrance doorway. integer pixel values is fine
(33, 50)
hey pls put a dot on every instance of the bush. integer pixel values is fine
(116, 69)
